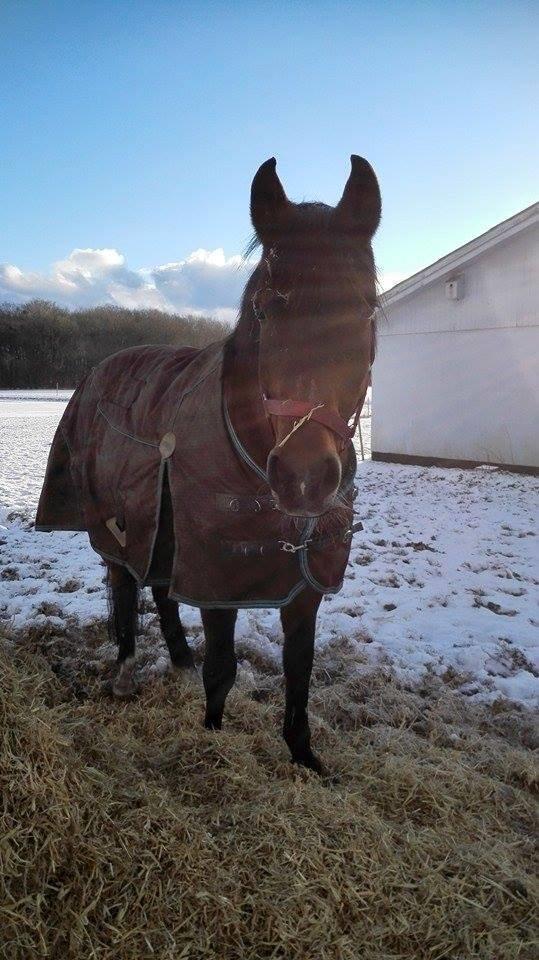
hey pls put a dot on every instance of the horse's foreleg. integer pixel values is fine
(173, 632)
(124, 593)
(299, 625)
(219, 671)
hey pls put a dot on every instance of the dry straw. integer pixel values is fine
(128, 832)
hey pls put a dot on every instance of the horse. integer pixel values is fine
(167, 457)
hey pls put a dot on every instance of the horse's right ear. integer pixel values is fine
(269, 202)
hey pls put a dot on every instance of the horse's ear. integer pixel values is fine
(269, 202)
(360, 206)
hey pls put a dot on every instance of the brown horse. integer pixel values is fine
(291, 377)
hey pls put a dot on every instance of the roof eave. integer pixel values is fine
(469, 251)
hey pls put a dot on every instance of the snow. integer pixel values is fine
(442, 579)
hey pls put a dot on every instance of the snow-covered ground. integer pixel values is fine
(442, 579)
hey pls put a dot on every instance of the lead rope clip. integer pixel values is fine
(292, 548)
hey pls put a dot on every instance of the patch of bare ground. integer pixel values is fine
(129, 832)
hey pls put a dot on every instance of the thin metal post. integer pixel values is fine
(361, 441)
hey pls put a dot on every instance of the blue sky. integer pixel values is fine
(131, 130)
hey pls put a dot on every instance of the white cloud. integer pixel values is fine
(90, 263)
(206, 283)
(207, 280)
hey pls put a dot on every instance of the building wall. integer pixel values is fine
(459, 380)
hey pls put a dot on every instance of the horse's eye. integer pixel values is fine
(271, 300)
(277, 304)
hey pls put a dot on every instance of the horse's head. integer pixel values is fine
(314, 298)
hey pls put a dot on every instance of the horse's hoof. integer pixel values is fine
(210, 723)
(124, 689)
(124, 684)
(187, 676)
(311, 761)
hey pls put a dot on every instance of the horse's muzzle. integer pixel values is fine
(308, 493)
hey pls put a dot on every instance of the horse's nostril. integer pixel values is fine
(325, 477)
(280, 476)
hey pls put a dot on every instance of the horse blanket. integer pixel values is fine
(147, 411)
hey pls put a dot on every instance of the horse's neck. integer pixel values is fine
(242, 392)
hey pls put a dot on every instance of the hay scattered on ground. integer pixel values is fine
(130, 832)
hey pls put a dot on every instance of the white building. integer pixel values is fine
(456, 377)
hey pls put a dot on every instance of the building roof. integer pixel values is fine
(501, 232)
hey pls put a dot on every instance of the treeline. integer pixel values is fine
(44, 345)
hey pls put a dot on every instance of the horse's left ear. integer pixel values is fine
(360, 207)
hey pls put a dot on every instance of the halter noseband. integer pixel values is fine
(304, 410)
